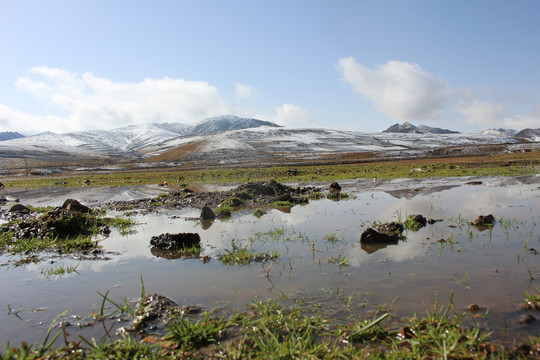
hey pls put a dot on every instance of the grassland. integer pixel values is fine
(503, 164)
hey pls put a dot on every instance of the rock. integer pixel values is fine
(372, 236)
(19, 208)
(1, 186)
(527, 319)
(334, 188)
(207, 213)
(174, 242)
(156, 307)
(473, 183)
(282, 197)
(484, 220)
(390, 228)
(433, 221)
(86, 182)
(417, 222)
(264, 188)
(74, 205)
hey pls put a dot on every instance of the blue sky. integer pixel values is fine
(69, 65)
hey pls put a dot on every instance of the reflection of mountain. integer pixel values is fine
(410, 193)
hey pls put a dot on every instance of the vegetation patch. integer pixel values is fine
(60, 230)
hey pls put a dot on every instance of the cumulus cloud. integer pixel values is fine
(243, 91)
(29, 124)
(400, 90)
(291, 115)
(95, 102)
(482, 112)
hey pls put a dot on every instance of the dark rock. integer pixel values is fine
(484, 220)
(170, 254)
(334, 188)
(433, 221)
(372, 236)
(207, 213)
(390, 228)
(174, 242)
(19, 208)
(1, 186)
(283, 197)
(416, 222)
(527, 319)
(264, 188)
(74, 205)
(156, 307)
(473, 183)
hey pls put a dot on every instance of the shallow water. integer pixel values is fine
(491, 268)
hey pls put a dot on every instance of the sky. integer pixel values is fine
(72, 65)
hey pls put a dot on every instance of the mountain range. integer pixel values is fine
(230, 139)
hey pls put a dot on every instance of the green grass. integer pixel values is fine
(194, 334)
(52, 231)
(59, 271)
(244, 255)
(301, 330)
(496, 165)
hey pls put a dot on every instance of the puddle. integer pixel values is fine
(448, 259)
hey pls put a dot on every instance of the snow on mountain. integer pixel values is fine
(499, 132)
(530, 134)
(227, 122)
(408, 128)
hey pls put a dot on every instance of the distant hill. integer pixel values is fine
(9, 135)
(408, 128)
(499, 132)
(530, 134)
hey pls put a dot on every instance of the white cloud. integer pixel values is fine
(400, 90)
(29, 124)
(243, 91)
(291, 115)
(95, 102)
(482, 112)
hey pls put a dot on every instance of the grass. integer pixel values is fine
(59, 231)
(60, 270)
(495, 165)
(273, 330)
(244, 255)
(194, 334)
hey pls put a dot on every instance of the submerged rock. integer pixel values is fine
(484, 220)
(416, 222)
(173, 242)
(390, 228)
(207, 213)
(334, 188)
(372, 236)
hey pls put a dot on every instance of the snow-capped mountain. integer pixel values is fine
(9, 135)
(530, 134)
(126, 142)
(408, 128)
(226, 122)
(499, 132)
(230, 139)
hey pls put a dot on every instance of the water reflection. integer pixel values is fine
(413, 269)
